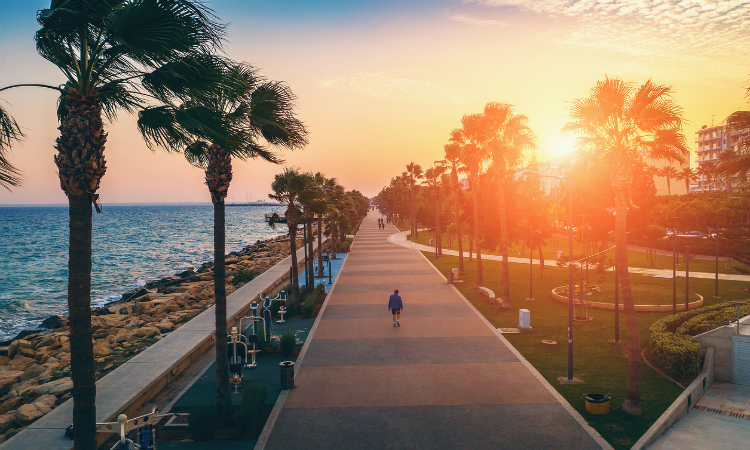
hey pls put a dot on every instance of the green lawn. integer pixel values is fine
(635, 258)
(600, 363)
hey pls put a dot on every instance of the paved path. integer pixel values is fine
(400, 239)
(445, 379)
(717, 422)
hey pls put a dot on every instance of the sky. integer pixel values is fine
(381, 83)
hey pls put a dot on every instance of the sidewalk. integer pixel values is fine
(400, 239)
(444, 379)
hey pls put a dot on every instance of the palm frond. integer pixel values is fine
(189, 77)
(10, 133)
(159, 127)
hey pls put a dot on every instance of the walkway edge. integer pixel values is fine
(277, 407)
(575, 414)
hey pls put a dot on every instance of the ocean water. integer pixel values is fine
(131, 245)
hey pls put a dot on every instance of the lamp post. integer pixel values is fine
(571, 286)
(674, 267)
(716, 278)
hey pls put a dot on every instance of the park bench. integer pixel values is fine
(488, 292)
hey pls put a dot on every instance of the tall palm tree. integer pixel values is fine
(320, 181)
(687, 175)
(286, 188)
(246, 119)
(413, 173)
(506, 136)
(621, 124)
(114, 54)
(708, 171)
(669, 172)
(473, 156)
(453, 160)
(433, 178)
(312, 202)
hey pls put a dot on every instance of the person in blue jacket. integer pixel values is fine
(395, 305)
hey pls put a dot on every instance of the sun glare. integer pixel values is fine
(562, 145)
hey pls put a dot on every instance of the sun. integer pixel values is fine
(562, 144)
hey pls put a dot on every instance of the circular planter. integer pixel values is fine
(639, 308)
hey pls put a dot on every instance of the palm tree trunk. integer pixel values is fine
(471, 247)
(223, 395)
(321, 269)
(541, 258)
(632, 403)
(291, 221)
(504, 234)
(458, 228)
(79, 310)
(669, 187)
(414, 232)
(475, 201)
(310, 259)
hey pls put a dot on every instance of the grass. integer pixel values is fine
(635, 258)
(600, 363)
(642, 295)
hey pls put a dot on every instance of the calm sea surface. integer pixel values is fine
(131, 245)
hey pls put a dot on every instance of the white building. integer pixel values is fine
(711, 142)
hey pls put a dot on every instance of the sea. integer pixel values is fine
(130, 244)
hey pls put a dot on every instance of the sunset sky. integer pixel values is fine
(382, 82)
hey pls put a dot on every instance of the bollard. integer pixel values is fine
(287, 374)
(450, 277)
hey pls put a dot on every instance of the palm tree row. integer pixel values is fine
(618, 125)
(162, 60)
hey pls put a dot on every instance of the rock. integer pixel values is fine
(47, 399)
(134, 323)
(10, 405)
(123, 335)
(137, 309)
(147, 332)
(4, 360)
(4, 351)
(53, 322)
(26, 351)
(23, 343)
(125, 310)
(43, 358)
(146, 318)
(7, 421)
(19, 389)
(101, 348)
(46, 342)
(164, 326)
(12, 349)
(172, 307)
(8, 379)
(32, 372)
(56, 387)
(98, 322)
(30, 412)
(21, 363)
(13, 432)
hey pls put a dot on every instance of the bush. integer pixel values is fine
(202, 423)
(741, 269)
(672, 343)
(310, 301)
(250, 412)
(242, 277)
(288, 343)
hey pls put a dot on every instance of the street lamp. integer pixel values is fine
(571, 286)
(674, 267)
(716, 279)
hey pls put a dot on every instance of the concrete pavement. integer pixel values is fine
(445, 379)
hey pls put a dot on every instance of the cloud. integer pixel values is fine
(476, 21)
(385, 85)
(710, 34)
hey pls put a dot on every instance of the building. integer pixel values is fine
(711, 142)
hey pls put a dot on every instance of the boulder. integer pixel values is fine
(123, 335)
(30, 412)
(26, 351)
(101, 348)
(173, 307)
(10, 405)
(7, 421)
(53, 322)
(32, 372)
(8, 379)
(147, 332)
(47, 399)
(56, 387)
(4, 360)
(21, 362)
(146, 318)
(46, 342)
(164, 326)
(12, 349)
(19, 389)
(23, 343)
(98, 322)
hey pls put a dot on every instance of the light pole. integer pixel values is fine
(674, 267)
(571, 286)
(716, 279)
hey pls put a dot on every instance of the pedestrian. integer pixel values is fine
(395, 305)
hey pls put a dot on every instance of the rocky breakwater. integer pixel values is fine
(35, 367)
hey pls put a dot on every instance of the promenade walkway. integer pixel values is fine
(400, 239)
(444, 379)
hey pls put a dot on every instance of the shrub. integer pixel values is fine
(202, 423)
(242, 277)
(310, 301)
(742, 269)
(288, 343)
(250, 412)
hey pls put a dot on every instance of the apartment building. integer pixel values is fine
(711, 142)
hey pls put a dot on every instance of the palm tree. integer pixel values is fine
(453, 160)
(114, 55)
(707, 170)
(312, 202)
(506, 136)
(286, 188)
(687, 174)
(433, 178)
(320, 181)
(738, 124)
(669, 172)
(413, 173)
(621, 124)
(245, 120)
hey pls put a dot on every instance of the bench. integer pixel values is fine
(488, 292)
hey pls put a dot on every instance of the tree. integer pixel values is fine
(707, 170)
(506, 136)
(313, 202)
(668, 172)
(114, 55)
(433, 179)
(621, 124)
(738, 124)
(453, 161)
(687, 174)
(246, 119)
(413, 173)
(286, 188)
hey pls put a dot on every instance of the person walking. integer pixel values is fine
(395, 305)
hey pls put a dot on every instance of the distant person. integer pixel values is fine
(395, 305)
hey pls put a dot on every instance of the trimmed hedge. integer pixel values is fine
(672, 343)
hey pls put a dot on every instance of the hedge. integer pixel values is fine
(672, 343)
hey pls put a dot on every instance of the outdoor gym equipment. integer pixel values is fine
(282, 306)
(267, 321)
(145, 437)
(237, 352)
(252, 338)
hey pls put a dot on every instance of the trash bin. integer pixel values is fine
(597, 404)
(450, 277)
(287, 374)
